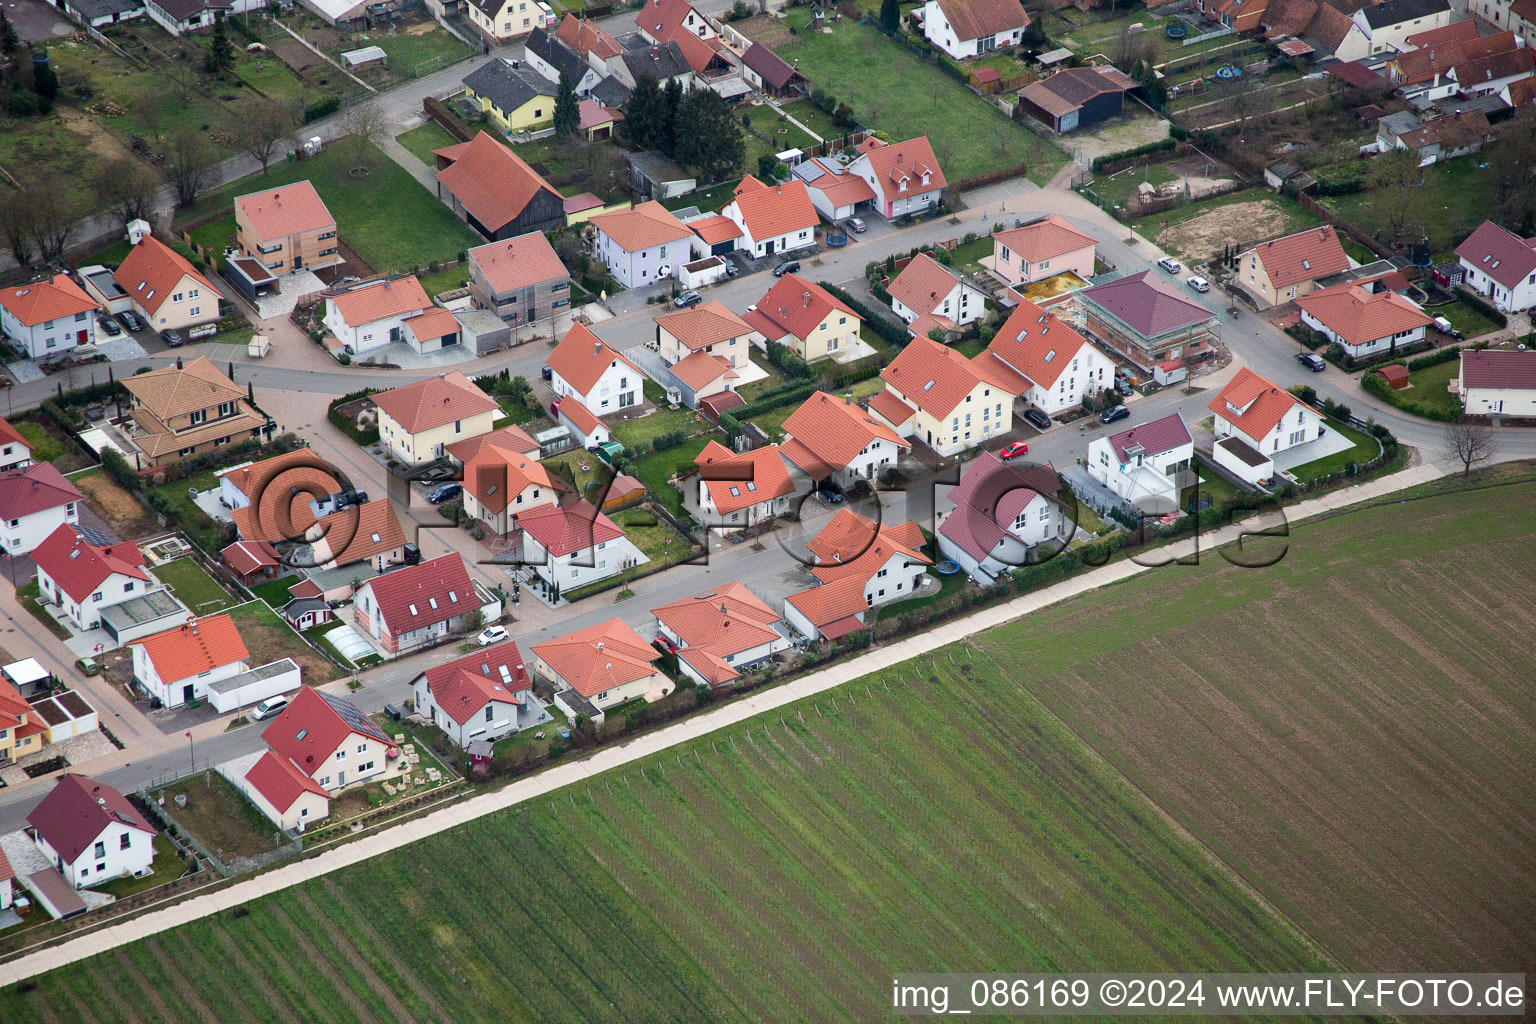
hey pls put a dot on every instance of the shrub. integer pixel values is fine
(889, 332)
(1160, 146)
(118, 469)
(1444, 355)
(323, 107)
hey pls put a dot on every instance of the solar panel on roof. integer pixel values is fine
(95, 537)
(353, 716)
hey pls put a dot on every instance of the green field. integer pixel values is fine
(1364, 450)
(893, 90)
(193, 586)
(423, 139)
(656, 468)
(1453, 202)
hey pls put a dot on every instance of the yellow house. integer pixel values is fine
(501, 20)
(516, 98)
(21, 732)
(936, 395)
(804, 318)
(418, 421)
(164, 288)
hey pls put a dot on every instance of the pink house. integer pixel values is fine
(1041, 249)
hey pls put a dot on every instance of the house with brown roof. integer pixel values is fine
(329, 741)
(376, 315)
(520, 279)
(928, 296)
(1147, 320)
(729, 491)
(90, 832)
(589, 40)
(643, 245)
(974, 28)
(511, 437)
(935, 394)
(1498, 382)
(588, 370)
(1003, 518)
(420, 605)
(48, 318)
(179, 17)
(286, 228)
(15, 451)
(164, 289)
(494, 191)
(805, 318)
(1142, 464)
(501, 485)
(905, 176)
(188, 661)
(679, 22)
(836, 192)
(710, 328)
(1266, 417)
(1059, 366)
(1073, 98)
(827, 612)
(1042, 248)
(1361, 321)
(501, 21)
(1501, 265)
(769, 73)
(187, 410)
(575, 545)
(774, 219)
(830, 438)
(482, 696)
(419, 421)
(1286, 268)
(605, 664)
(1239, 15)
(721, 632)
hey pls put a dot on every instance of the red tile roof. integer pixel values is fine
(1304, 256)
(511, 437)
(857, 546)
(79, 567)
(716, 229)
(1500, 254)
(839, 185)
(464, 686)
(973, 19)
(436, 322)
(245, 556)
(595, 115)
(1037, 344)
(286, 210)
(253, 478)
(704, 325)
(701, 369)
(795, 306)
(423, 594)
(893, 409)
(1456, 32)
(311, 728)
(826, 434)
(923, 284)
(34, 488)
(1154, 437)
(598, 658)
(726, 621)
(41, 301)
(6, 871)
(586, 37)
(354, 534)
(580, 416)
(194, 647)
(1148, 304)
(735, 481)
(382, 299)
(831, 602)
(905, 161)
(582, 357)
(495, 475)
(990, 497)
(279, 780)
(432, 402)
(1263, 403)
(775, 210)
(152, 271)
(566, 529)
(1044, 239)
(520, 262)
(641, 227)
(77, 810)
(933, 377)
(492, 182)
(10, 435)
(1495, 368)
(1361, 317)
(1523, 92)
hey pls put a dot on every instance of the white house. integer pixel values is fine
(606, 664)
(576, 545)
(1385, 27)
(905, 176)
(1267, 418)
(91, 833)
(1142, 465)
(48, 318)
(642, 245)
(290, 799)
(887, 557)
(1060, 367)
(1001, 517)
(836, 192)
(1501, 265)
(34, 502)
(420, 604)
(927, 295)
(179, 17)
(329, 740)
(1361, 321)
(583, 366)
(1498, 382)
(501, 485)
(82, 578)
(971, 28)
(773, 219)
(721, 632)
(739, 489)
(15, 451)
(180, 664)
(831, 438)
(481, 696)
(373, 316)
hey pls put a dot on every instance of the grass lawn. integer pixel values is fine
(386, 217)
(772, 422)
(193, 586)
(781, 134)
(1365, 448)
(966, 256)
(44, 448)
(710, 200)
(165, 867)
(1213, 488)
(516, 411)
(317, 636)
(275, 592)
(1453, 202)
(193, 519)
(573, 167)
(749, 392)
(1123, 186)
(415, 55)
(588, 473)
(970, 347)
(655, 423)
(446, 280)
(938, 587)
(1427, 390)
(215, 235)
(220, 817)
(659, 541)
(423, 139)
(814, 118)
(656, 468)
(27, 594)
(270, 639)
(891, 89)
(1465, 319)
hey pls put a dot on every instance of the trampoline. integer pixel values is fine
(1176, 31)
(947, 568)
(1227, 71)
(837, 241)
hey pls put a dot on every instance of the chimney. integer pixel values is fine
(847, 397)
(386, 284)
(597, 348)
(806, 299)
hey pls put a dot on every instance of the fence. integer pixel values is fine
(175, 829)
(990, 178)
(1141, 209)
(1313, 206)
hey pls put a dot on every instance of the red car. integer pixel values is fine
(1014, 450)
(664, 644)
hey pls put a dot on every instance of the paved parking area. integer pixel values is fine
(37, 20)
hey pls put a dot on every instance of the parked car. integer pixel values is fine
(172, 339)
(686, 299)
(787, 267)
(268, 708)
(110, 326)
(491, 635)
(830, 493)
(855, 225)
(89, 666)
(547, 373)
(1038, 419)
(731, 269)
(412, 554)
(129, 321)
(1311, 361)
(1170, 264)
(664, 645)
(1013, 451)
(1124, 387)
(1199, 284)
(445, 492)
(1113, 413)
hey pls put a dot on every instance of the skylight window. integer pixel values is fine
(413, 610)
(1022, 336)
(74, 554)
(929, 386)
(1306, 264)
(491, 489)
(375, 537)
(751, 487)
(433, 602)
(735, 492)
(1050, 355)
(453, 597)
(302, 734)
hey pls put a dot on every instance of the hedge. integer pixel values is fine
(336, 416)
(1480, 304)
(889, 332)
(775, 399)
(1374, 385)
(323, 107)
(1445, 355)
(1160, 146)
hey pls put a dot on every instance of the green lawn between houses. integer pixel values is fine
(423, 139)
(1365, 448)
(1062, 789)
(193, 586)
(654, 469)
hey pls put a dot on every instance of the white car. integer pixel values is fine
(1170, 264)
(269, 707)
(1199, 284)
(492, 635)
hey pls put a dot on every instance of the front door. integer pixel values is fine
(767, 248)
(186, 693)
(341, 778)
(83, 338)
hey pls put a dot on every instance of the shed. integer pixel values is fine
(483, 331)
(723, 402)
(624, 490)
(1170, 371)
(1395, 376)
(365, 55)
(27, 675)
(1447, 275)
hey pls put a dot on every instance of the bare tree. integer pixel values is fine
(181, 75)
(16, 219)
(598, 162)
(56, 213)
(262, 127)
(1470, 444)
(364, 125)
(190, 158)
(145, 109)
(128, 187)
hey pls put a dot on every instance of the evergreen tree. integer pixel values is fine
(9, 40)
(44, 82)
(673, 95)
(709, 139)
(567, 112)
(890, 15)
(645, 114)
(221, 53)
